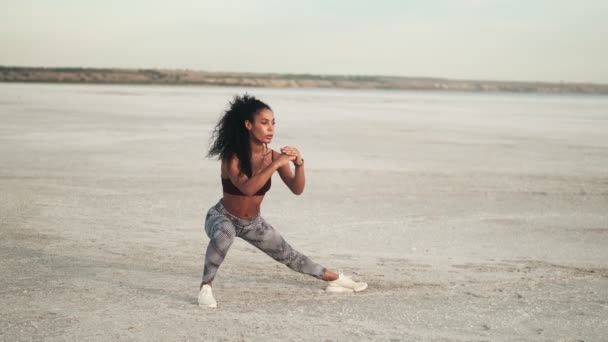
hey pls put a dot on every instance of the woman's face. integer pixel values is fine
(262, 128)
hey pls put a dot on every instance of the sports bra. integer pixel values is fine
(230, 188)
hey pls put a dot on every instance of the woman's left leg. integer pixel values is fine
(263, 236)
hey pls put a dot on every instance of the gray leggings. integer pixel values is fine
(222, 227)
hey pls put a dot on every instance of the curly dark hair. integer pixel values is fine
(230, 137)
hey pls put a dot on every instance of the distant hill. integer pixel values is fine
(193, 77)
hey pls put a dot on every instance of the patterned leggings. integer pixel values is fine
(222, 227)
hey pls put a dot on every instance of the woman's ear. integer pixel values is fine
(248, 125)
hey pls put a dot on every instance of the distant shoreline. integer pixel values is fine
(274, 80)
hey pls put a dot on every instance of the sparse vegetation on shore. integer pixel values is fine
(194, 77)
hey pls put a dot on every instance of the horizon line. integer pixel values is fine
(562, 82)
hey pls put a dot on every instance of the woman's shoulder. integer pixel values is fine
(227, 162)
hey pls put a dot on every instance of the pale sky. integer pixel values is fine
(530, 40)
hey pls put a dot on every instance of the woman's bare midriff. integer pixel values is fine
(245, 207)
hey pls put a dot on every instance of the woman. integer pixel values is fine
(241, 140)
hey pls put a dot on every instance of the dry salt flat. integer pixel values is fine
(473, 217)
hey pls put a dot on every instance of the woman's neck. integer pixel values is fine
(258, 148)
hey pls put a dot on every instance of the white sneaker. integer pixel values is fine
(205, 297)
(344, 284)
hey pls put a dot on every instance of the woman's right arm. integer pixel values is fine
(249, 186)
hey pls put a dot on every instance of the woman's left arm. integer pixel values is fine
(294, 181)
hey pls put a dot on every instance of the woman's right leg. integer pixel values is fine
(221, 233)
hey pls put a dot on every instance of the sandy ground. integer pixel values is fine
(472, 218)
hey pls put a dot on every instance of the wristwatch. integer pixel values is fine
(302, 163)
